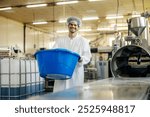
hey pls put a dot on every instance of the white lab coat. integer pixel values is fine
(81, 46)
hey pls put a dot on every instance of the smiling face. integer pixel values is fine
(73, 27)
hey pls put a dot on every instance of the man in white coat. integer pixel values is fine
(76, 43)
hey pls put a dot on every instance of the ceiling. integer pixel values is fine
(53, 13)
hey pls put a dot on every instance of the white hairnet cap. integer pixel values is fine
(71, 19)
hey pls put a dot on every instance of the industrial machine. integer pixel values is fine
(133, 60)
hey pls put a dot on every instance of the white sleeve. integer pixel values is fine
(86, 54)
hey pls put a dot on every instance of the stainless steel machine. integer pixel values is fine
(133, 60)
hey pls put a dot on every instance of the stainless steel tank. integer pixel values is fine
(138, 25)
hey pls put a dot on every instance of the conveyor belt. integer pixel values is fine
(107, 89)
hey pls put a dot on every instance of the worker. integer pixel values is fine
(78, 44)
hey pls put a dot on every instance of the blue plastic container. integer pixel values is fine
(58, 64)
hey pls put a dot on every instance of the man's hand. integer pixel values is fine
(80, 59)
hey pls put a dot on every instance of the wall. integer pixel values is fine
(12, 33)
(36, 39)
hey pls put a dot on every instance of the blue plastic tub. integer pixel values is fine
(58, 64)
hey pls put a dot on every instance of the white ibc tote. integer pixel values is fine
(102, 69)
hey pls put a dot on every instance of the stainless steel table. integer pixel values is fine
(107, 89)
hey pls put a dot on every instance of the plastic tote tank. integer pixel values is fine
(102, 69)
(58, 64)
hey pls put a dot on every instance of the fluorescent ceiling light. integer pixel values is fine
(3, 48)
(105, 29)
(62, 21)
(36, 5)
(91, 34)
(114, 17)
(85, 30)
(90, 18)
(94, 0)
(36, 23)
(112, 29)
(137, 15)
(61, 31)
(122, 28)
(65, 31)
(6, 8)
(119, 24)
(69, 2)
